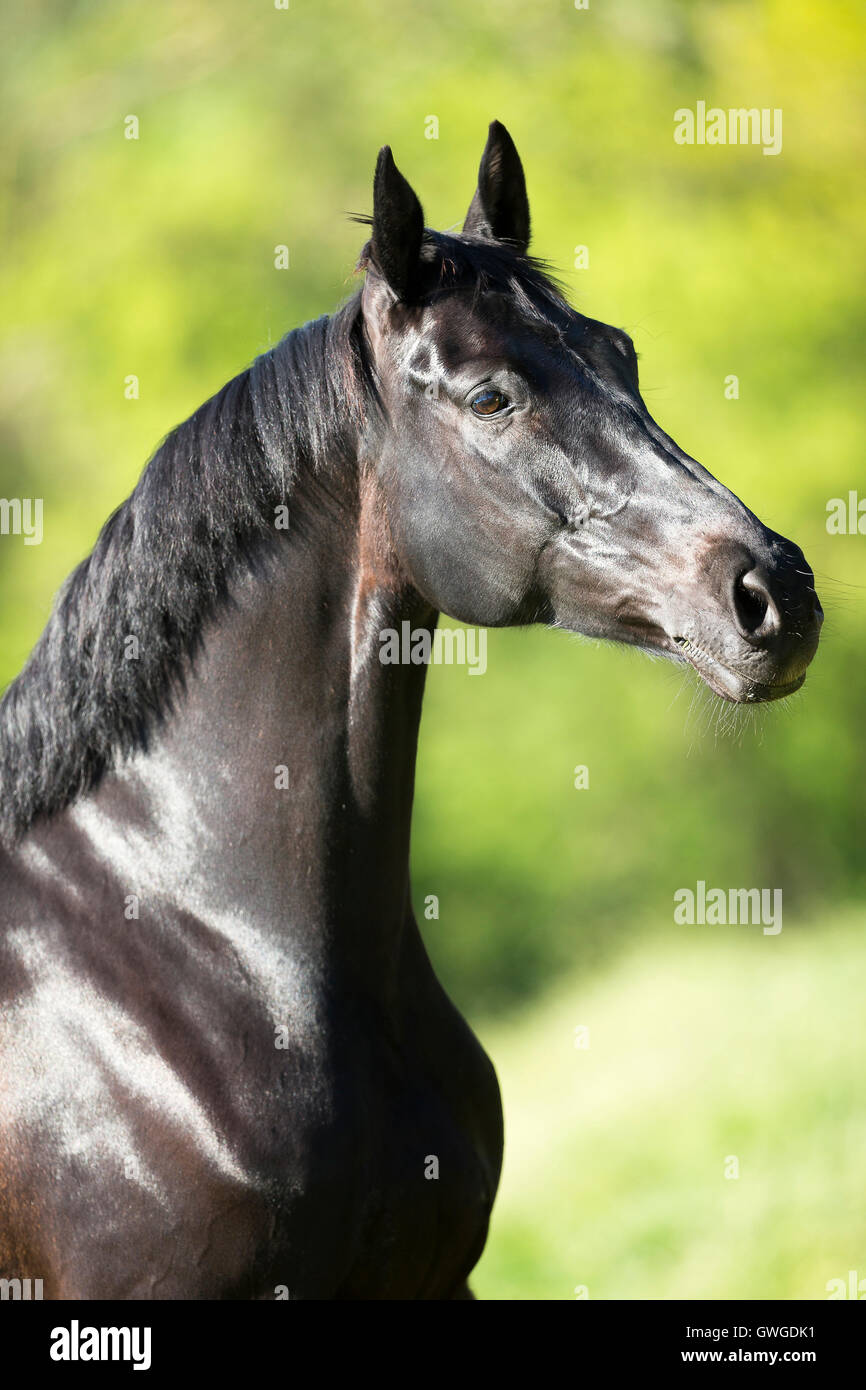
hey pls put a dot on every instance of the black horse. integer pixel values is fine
(227, 1066)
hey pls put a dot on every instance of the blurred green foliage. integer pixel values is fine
(259, 126)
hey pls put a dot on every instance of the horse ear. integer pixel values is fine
(500, 209)
(398, 227)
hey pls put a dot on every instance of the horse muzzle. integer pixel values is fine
(753, 630)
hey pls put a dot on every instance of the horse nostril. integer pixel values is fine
(754, 610)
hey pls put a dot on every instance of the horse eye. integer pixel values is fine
(489, 402)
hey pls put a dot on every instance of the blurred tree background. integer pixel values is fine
(259, 126)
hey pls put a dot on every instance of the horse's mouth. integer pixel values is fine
(732, 685)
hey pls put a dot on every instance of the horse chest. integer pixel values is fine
(430, 1178)
(398, 1159)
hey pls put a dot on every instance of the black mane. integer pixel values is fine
(163, 563)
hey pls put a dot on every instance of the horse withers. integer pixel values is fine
(228, 1069)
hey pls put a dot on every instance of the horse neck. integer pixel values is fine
(281, 787)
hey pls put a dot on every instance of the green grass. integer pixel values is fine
(706, 1043)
